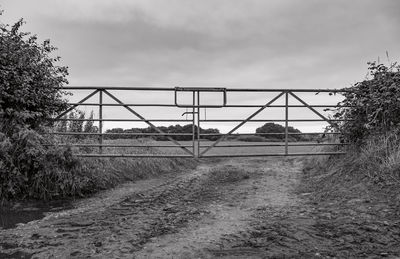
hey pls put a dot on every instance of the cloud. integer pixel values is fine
(227, 43)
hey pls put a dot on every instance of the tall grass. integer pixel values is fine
(103, 173)
(378, 160)
(35, 167)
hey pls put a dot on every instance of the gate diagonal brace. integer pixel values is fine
(76, 105)
(312, 109)
(242, 123)
(148, 122)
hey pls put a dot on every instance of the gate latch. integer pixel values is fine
(200, 89)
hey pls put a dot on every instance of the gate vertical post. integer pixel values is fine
(194, 125)
(101, 121)
(286, 122)
(198, 124)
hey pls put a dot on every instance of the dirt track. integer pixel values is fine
(238, 208)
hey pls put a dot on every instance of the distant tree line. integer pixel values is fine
(175, 129)
(75, 122)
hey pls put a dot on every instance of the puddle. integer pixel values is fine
(24, 212)
(18, 254)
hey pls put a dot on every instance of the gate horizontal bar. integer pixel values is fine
(112, 145)
(200, 89)
(206, 156)
(185, 134)
(134, 155)
(203, 106)
(120, 88)
(280, 145)
(202, 146)
(272, 133)
(277, 120)
(144, 88)
(207, 120)
(155, 120)
(276, 154)
(118, 134)
(118, 146)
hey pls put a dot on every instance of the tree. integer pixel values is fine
(271, 127)
(76, 121)
(30, 93)
(89, 125)
(30, 82)
(62, 125)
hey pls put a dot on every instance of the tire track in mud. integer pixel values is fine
(203, 213)
(124, 227)
(268, 182)
(236, 208)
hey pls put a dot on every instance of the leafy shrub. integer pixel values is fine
(371, 106)
(30, 168)
(30, 82)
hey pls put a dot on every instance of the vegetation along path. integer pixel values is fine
(233, 208)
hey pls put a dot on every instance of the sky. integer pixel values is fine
(223, 43)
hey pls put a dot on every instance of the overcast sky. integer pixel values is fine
(227, 43)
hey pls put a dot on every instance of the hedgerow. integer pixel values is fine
(30, 93)
(371, 107)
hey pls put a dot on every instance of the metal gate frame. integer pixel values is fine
(198, 150)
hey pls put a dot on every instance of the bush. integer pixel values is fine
(30, 93)
(372, 106)
(30, 168)
(30, 82)
(372, 111)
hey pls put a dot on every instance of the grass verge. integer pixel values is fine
(354, 200)
(30, 168)
(106, 173)
(374, 166)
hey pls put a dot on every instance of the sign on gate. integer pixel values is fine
(158, 141)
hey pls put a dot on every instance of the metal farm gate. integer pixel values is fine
(197, 106)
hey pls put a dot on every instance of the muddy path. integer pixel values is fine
(234, 208)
